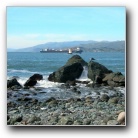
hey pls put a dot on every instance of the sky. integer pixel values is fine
(30, 26)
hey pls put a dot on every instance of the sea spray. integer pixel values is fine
(42, 83)
(84, 75)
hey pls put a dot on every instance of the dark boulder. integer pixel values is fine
(33, 80)
(13, 83)
(76, 59)
(66, 73)
(104, 98)
(114, 79)
(96, 72)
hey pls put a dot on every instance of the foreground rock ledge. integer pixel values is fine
(115, 79)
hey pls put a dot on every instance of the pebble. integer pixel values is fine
(83, 109)
(112, 122)
(121, 117)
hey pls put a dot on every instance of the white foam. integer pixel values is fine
(42, 83)
(20, 71)
(84, 74)
(47, 84)
(22, 80)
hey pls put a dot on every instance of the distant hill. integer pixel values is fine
(93, 46)
(104, 46)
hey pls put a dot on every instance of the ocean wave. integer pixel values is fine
(42, 83)
(49, 89)
(47, 84)
(20, 71)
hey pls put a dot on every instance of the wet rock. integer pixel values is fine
(93, 117)
(33, 80)
(14, 119)
(88, 99)
(66, 73)
(56, 113)
(26, 99)
(98, 80)
(50, 99)
(76, 59)
(8, 117)
(53, 120)
(71, 83)
(96, 71)
(104, 98)
(71, 100)
(114, 79)
(32, 119)
(53, 102)
(67, 105)
(78, 92)
(34, 101)
(113, 100)
(14, 84)
(96, 101)
(74, 89)
(83, 82)
(66, 86)
(11, 104)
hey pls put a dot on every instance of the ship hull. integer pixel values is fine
(53, 51)
(60, 52)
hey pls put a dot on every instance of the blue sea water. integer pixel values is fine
(25, 64)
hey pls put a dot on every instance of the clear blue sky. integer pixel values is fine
(29, 26)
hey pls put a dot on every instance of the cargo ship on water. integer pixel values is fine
(69, 51)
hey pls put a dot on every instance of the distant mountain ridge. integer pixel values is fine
(93, 46)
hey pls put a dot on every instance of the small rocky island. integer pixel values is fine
(97, 101)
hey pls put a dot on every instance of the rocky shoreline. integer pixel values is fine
(101, 103)
(101, 109)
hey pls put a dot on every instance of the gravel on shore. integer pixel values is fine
(83, 109)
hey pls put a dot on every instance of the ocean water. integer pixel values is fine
(23, 65)
(26, 64)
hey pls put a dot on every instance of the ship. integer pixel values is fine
(69, 51)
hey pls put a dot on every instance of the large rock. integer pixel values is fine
(33, 80)
(67, 73)
(76, 59)
(13, 82)
(114, 79)
(96, 72)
